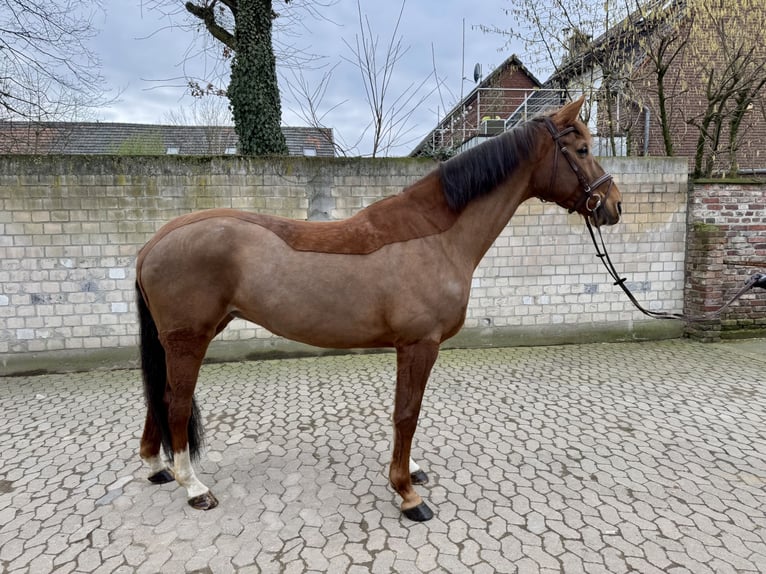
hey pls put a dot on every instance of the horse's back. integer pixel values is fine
(419, 211)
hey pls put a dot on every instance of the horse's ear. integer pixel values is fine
(568, 114)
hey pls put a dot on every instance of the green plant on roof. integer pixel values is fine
(142, 144)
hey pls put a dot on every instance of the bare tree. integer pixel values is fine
(729, 54)
(390, 107)
(662, 35)
(389, 111)
(47, 71)
(209, 111)
(211, 27)
(308, 104)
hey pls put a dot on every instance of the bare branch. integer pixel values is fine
(43, 43)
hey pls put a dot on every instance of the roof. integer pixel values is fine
(620, 38)
(145, 139)
(489, 81)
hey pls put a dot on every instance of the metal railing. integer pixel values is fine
(536, 103)
(487, 112)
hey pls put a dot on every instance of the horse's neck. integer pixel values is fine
(484, 218)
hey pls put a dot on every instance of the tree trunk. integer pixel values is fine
(253, 90)
(667, 137)
(699, 153)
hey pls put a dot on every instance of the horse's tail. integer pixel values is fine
(154, 371)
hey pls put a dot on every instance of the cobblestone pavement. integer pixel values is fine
(636, 457)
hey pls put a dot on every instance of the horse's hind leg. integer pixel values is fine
(185, 350)
(417, 475)
(414, 363)
(151, 440)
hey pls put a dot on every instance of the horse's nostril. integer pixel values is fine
(619, 207)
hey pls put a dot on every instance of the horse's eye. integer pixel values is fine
(583, 151)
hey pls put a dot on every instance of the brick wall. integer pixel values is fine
(734, 214)
(704, 291)
(71, 227)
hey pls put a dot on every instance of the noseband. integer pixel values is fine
(590, 198)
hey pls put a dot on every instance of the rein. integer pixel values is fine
(755, 280)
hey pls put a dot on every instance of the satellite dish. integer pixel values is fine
(477, 72)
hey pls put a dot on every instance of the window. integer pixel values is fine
(310, 151)
(172, 151)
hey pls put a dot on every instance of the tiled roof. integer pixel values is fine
(145, 139)
(627, 38)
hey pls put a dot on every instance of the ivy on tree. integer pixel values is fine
(253, 91)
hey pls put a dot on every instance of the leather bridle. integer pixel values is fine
(590, 198)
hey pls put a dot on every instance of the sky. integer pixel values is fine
(145, 55)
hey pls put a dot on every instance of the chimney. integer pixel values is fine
(577, 41)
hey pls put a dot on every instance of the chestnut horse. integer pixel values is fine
(397, 274)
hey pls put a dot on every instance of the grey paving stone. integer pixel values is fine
(615, 458)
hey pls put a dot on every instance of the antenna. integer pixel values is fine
(462, 70)
(477, 73)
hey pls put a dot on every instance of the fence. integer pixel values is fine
(488, 112)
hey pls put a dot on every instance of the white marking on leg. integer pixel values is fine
(156, 464)
(413, 465)
(185, 474)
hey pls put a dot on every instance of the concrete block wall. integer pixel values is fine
(542, 276)
(71, 227)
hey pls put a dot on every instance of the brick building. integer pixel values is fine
(618, 77)
(619, 68)
(482, 113)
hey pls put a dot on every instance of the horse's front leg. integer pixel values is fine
(413, 365)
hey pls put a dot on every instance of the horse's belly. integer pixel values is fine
(343, 301)
(309, 315)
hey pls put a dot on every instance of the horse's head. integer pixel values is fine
(569, 174)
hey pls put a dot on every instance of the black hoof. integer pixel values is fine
(419, 477)
(162, 477)
(419, 513)
(204, 501)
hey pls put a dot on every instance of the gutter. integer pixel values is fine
(647, 118)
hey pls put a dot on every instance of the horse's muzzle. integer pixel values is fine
(606, 214)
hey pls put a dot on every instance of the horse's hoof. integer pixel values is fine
(419, 477)
(162, 477)
(419, 513)
(204, 501)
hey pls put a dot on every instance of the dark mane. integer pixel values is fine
(479, 170)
